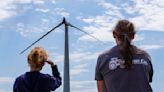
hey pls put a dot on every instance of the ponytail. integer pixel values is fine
(126, 52)
(125, 30)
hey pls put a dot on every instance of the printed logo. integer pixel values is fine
(116, 62)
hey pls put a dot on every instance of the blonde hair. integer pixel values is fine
(37, 56)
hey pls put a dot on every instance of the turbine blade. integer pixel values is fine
(42, 37)
(84, 32)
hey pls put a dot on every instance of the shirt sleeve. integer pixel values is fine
(15, 86)
(55, 72)
(55, 79)
(151, 71)
(98, 74)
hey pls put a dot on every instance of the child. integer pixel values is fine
(34, 81)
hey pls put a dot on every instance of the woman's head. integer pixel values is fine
(124, 32)
(124, 29)
(37, 57)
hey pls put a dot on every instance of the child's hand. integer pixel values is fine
(50, 62)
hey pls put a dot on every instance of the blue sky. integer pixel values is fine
(24, 21)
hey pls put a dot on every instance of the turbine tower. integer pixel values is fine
(66, 86)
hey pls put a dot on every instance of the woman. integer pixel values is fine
(124, 68)
(34, 81)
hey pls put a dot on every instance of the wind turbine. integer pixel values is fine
(66, 86)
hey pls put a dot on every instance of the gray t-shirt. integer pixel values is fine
(110, 68)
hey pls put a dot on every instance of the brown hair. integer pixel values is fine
(125, 32)
(37, 56)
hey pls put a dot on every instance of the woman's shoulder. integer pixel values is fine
(111, 50)
(140, 51)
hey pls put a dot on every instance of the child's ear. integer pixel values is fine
(29, 59)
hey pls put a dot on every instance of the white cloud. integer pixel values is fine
(108, 5)
(151, 47)
(101, 28)
(107, 22)
(6, 80)
(54, 1)
(28, 1)
(6, 9)
(6, 14)
(9, 8)
(81, 66)
(77, 83)
(45, 20)
(148, 16)
(29, 31)
(83, 56)
(139, 37)
(130, 9)
(77, 56)
(103, 36)
(42, 10)
(3, 90)
(83, 86)
(38, 1)
(79, 69)
(22, 1)
(58, 58)
(101, 25)
(74, 72)
(62, 12)
(112, 10)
